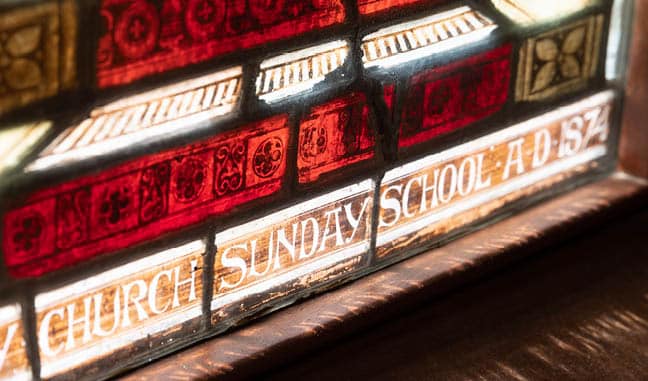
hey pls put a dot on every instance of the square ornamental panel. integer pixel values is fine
(145, 198)
(298, 249)
(38, 46)
(424, 201)
(14, 363)
(105, 321)
(143, 37)
(559, 61)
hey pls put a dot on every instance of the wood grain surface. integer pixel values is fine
(633, 150)
(285, 336)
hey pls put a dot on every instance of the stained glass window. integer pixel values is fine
(172, 168)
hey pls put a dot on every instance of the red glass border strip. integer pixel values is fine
(447, 98)
(370, 7)
(142, 39)
(145, 198)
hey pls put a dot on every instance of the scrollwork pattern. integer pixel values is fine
(230, 164)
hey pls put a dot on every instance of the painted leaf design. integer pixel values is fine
(24, 41)
(22, 74)
(547, 50)
(569, 67)
(544, 76)
(574, 41)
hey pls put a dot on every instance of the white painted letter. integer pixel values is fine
(11, 331)
(542, 142)
(191, 281)
(152, 295)
(43, 333)
(355, 222)
(69, 344)
(141, 295)
(481, 183)
(97, 329)
(466, 185)
(442, 182)
(339, 240)
(514, 158)
(390, 203)
(238, 262)
(406, 195)
(315, 235)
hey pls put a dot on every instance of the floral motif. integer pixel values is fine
(559, 61)
(37, 51)
(313, 142)
(115, 206)
(267, 157)
(205, 18)
(267, 10)
(154, 187)
(72, 218)
(27, 233)
(189, 179)
(560, 58)
(137, 30)
(18, 58)
(144, 37)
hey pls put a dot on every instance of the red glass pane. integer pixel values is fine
(333, 136)
(144, 198)
(141, 38)
(388, 96)
(368, 7)
(447, 98)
